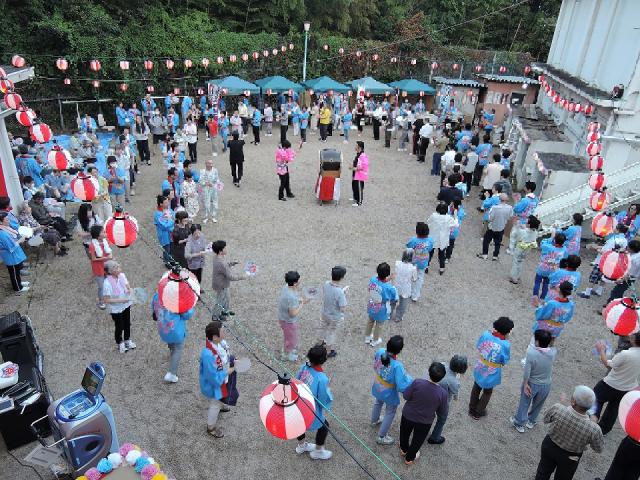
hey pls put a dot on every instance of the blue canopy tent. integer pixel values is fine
(324, 84)
(235, 85)
(413, 86)
(370, 85)
(278, 84)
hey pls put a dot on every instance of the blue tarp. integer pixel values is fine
(371, 85)
(324, 84)
(235, 85)
(278, 84)
(413, 86)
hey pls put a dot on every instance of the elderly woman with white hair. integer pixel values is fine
(569, 434)
(117, 296)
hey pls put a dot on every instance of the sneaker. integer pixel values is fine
(375, 343)
(170, 378)
(368, 339)
(25, 284)
(205, 220)
(129, 344)
(292, 357)
(332, 354)
(494, 259)
(291, 196)
(519, 428)
(283, 199)
(23, 290)
(386, 440)
(214, 220)
(102, 306)
(376, 423)
(225, 409)
(584, 294)
(411, 462)
(508, 251)
(529, 425)
(122, 348)
(321, 454)
(215, 432)
(305, 447)
(483, 257)
(354, 204)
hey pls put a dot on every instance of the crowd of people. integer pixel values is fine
(462, 158)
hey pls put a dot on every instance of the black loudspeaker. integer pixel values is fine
(17, 342)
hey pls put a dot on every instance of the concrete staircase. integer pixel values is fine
(623, 185)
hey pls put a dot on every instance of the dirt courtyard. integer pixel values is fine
(169, 420)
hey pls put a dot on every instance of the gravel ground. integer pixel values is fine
(169, 420)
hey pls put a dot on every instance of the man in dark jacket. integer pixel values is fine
(236, 157)
(42, 216)
(449, 193)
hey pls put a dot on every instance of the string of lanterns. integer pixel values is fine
(38, 131)
(567, 104)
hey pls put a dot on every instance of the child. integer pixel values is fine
(390, 379)
(422, 246)
(172, 329)
(406, 275)
(334, 303)
(381, 294)
(313, 376)
(554, 314)
(455, 206)
(568, 272)
(347, 120)
(214, 374)
(304, 124)
(99, 253)
(284, 156)
(524, 240)
(551, 252)
(451, 383)
(211, 131)
(289, 306)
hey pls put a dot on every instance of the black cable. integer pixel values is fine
(25, 466)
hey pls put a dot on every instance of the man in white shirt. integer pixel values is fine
(268, 119)
(491, 173)
(426, 134)
(622, 378)
(191, 134)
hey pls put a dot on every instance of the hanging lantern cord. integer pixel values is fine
(282, 377)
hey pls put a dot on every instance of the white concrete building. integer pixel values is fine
(596, 47)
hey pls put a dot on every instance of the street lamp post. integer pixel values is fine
(307, 25)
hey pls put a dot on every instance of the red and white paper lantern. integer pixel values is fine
(12, 101)
(287, 410)
(621, 316)
(205, 62)
(629, 414)
(596, 162)
(478, 68)
(597, 180)
(578, 107)
(394, 59)
(614, 264)
(18, 61)
(121, 229)
(375, 57)
(58, 158)
(188, 63)
(95, 83)
(148, 65)
(603, 224)
(85, 187)
(265, 53)
(124, 87)
(124, 65)
(325, 47)
(599, 200)
(341, 50)
(62, 64)
(40, 132)
(593, 136)
(67, 81)
(233, 58)
(176, 91)
(219, 60)
(571, 107)
(283, 48)
(455, 66)
(594, 148)
(6, 85)
(255, 55)
(169, 64)
(556, 98)
(201, 91)
(178, 290)
(291, 46)
(358, 53)
(274, 52)
(527, 70)
(150, 88)
(245, 57)
(502, 69)
(588, 110)
(421, 93)
(434, 65)
(95, 65)
(25, 117)
(414, 61)
(593, 126)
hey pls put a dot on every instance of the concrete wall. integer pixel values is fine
(598, 41)
(501, 92)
